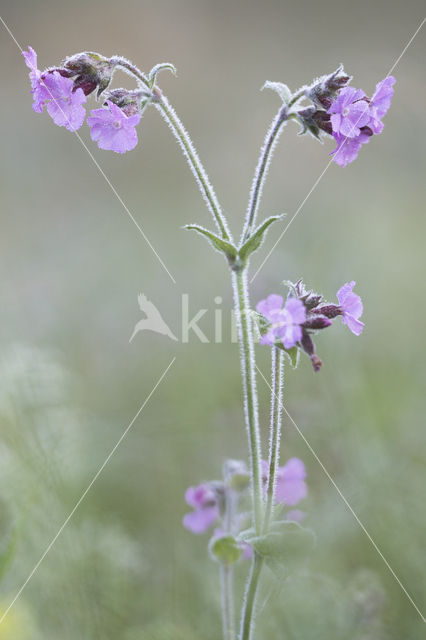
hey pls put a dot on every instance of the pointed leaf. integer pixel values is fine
(293, 354)
(159, 67)
(287, 544)
(257, 237)
(217, 243)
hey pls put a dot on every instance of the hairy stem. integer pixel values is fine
(277, 380)
(261, 172)
(246, 340)
(194, 162)
(227, 584)
(247, 617)
(189, 151)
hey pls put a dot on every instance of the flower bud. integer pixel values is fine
(236, 475)
(309, 348)
(328, 310)
(130, 102)
(317, 322)
(323, 90)
(90, 70)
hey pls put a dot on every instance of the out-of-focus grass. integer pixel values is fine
(70, 383)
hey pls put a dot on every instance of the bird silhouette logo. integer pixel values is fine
(153, 321)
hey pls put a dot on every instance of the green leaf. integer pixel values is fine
(217, 243)
(287, 545)
(247, 535)
(257, 237)
(293, 354)
(225, 549)
(159, 67)
(280, 88)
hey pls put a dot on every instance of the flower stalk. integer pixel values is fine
(248, 371)
(277, 385)
(261, 172)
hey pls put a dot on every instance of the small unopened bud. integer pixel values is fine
(312, 300)
(316, 363)
(328, 310)
(309, 348)
(236, 475)
(317, 322)
(91, 71)
(323, 91)
(130, 102)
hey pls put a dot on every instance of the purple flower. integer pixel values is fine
(56, 92)
(347, 148)
(354, 120)
(206, 511)
(290, 486)
(38, 89)
(351, 307)
(285, 321)
(63, 104)
(380, 103)
(112, 129)
(349, 112)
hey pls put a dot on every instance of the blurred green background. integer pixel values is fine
(72, 264)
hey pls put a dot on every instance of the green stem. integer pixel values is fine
(247, 618)
(262, 170)
(245, 331)
(227, 582)
(277, 379)
(176, 126)
(194, 162)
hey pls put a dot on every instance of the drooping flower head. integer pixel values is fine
(355, 118)
(285, 320)
(345, 113)
(306, 314)
(112, 129)
(204, 501)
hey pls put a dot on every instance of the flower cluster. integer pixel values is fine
(217, 503)
(345, 113)
(63, 90)
(293, 323)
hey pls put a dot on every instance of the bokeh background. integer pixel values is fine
(72, 264)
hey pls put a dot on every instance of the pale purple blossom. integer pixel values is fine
(203, 499)
(112, 129)
(55, 92)
(63, 104)
(354, 118)
(347, 148)
(37, 86)
(380, 103)
(349, 112)
(351, 307)
(285, 321)
(290, 485)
